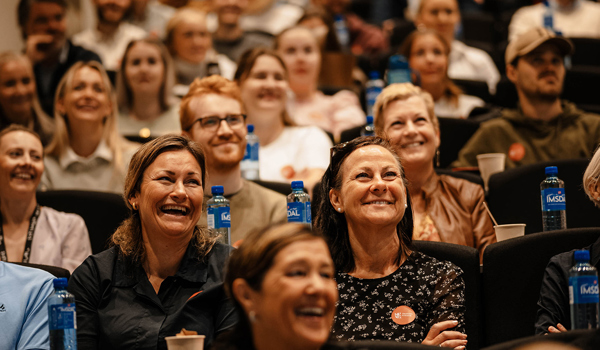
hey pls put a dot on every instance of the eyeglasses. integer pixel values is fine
(212, 123)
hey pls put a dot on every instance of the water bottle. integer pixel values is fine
(369, 129)
(398, 70)
(298, 204)
(583, 292)
(554, 203)
(548, 21)
(218, 215)
(62, 318)
(249, 164)
(374, 87)
(341, 31)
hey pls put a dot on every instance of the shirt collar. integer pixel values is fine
(69, 157)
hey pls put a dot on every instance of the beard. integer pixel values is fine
(225, 162)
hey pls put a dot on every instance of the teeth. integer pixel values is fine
(175, 207)
(312, 311)
(24, 176)
(379, 202)
(414, 144)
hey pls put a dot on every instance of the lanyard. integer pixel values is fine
(27, 252)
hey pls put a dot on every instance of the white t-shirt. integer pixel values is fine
(444, 109)
(298, 146)
(469, 63)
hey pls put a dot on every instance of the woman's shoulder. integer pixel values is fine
(61, 216)
(99, 266)
(461, 187)
(429, 265)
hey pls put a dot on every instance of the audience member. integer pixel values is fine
(112, 34)
(445, 208)
(19, 103)
(163, 272)
(147, 106)
(229, 38)
(152, 16)
(286, 152)
(464, 62)
(43, 25)
(24, 292)
(87, 152)
(320, 24)
(543, 127)
(28, 232)
(427, 52)
(365, 217)
(300, 51)
(281, 283)
(553, 315)
(572, 18)
(209, 102)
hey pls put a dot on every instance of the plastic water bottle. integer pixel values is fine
(554, 203)
(62, 318)
(398, 70)
(374, 87)
(369, 129)
(341, 31)
(218, 215)
(250, 169)
(583, 292)
(548, 21)
(298, 204)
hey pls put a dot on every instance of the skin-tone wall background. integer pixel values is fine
(8, 26)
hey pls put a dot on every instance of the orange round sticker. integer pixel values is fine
(516, 152)
(403, 315)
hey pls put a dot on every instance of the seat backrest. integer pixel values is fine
(579, 85)
(58, 272)
(475, 88)
(281, 187)
(587, 51)
(476, 179)
(514, 195)
(454, 133)
(102, 212)
(512, 277)
(351, 134)
(376, 345)
(467, 258)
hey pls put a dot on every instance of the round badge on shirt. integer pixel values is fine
(516, 152)
(403, 315)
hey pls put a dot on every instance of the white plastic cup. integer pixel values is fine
(490, 163)
(508, 231)
(188, 342)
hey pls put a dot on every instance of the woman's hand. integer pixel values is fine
(438, 336)
(558, 329)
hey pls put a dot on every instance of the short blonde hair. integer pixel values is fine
(400, 92)
(591, 176)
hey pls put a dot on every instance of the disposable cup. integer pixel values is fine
(490, 163)
(188, 342)
(509, 231)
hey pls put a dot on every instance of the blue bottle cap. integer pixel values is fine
(582, 255)
(297, 185)
(338, 17)
(374, 75)
(551, 170)
(369, 119)
(216, 190)
(60, 283)
(250, 127)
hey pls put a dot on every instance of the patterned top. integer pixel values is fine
(380, 308)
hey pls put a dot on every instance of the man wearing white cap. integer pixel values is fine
(544, 127)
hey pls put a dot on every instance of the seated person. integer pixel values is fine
(87, 152)
(553, 315)
(29, 232)
(365, 217)
(147, 106)
(445, 208)
(572, 18)
(24, 293)
(301, 53)
(19, 102)
(281, 283)
(544, 127)
(164, 272)
(112, 34)
(224, 141)
(427, 52)
(464, 62)
(286, 152)
(152, 16)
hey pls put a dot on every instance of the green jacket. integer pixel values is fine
(572, 134)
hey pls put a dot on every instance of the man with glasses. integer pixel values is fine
(212, 115)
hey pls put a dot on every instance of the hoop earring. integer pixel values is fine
(135, 207)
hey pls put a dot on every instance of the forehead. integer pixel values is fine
(369, 156)
(439, 4)
(13, 66)
(267, 63)
(45, 9)
(197, 23)
(174, 161)
(411, 106)
(87, 74)
(143, 48)
(307, 250)
(299, 35)
(428, 39)
(20, 139)
(214, 104)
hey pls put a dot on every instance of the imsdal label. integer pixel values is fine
(583, 290)
(554, 199)
(62, 316)
(218, 217)
(296, 212)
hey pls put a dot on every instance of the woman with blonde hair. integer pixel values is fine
(19, 103)
(87, 152)
(145, 83)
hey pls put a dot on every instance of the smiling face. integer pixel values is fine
(264, 89)
(17, 89)
(296, 304)
(170, 196)
(224, 147)
(300, 51)
(48, 18)
(144, 68)
(372, 192)
(439, 15)
(428, 57)
(191, 40)
(21, 163)
(411, 132)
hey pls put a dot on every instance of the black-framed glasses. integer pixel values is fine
(212, 123)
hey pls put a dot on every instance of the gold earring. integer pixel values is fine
(134, 205)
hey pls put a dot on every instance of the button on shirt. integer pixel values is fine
(117, 307)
